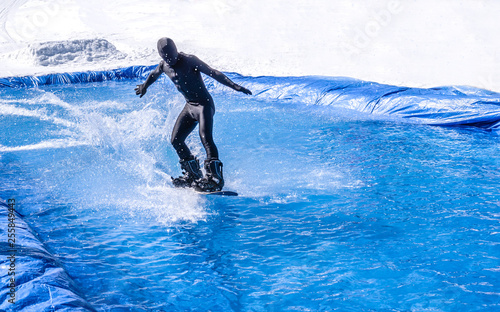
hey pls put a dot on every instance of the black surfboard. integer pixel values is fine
(219, 193)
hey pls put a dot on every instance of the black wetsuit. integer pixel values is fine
(199, 108)
(195, 113)
(185, 73)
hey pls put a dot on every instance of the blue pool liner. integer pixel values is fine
(41, 282)
(442, 106)
(76, 77)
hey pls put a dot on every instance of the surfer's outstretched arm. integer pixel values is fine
(153, 76)
(220, 77)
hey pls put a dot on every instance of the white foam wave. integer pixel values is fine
(123, 144)
(166, 204)
(49, 144)
(41, 114)
(128, 130)
(42, 98)
(94, 105)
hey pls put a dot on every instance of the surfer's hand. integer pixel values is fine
(244, 90)
(140, 90)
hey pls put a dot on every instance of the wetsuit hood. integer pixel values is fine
(167, 50)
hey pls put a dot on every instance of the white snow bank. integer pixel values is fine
(74, 51)
(413, 43)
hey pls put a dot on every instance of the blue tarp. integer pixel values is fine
(77, 77)
(41, 283)
(443, 106)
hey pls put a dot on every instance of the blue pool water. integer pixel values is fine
(351, 197)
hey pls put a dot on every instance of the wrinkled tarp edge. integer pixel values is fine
(44, 286)
(130, 72)
(452, 106)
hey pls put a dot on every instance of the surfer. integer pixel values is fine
(185, 72)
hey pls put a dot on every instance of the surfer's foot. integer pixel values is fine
(191, 171)
(214, 180)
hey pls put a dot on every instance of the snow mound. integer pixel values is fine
(57, 53)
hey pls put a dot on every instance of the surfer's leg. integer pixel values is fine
(190, 166)
(206, 119)
(184, 125)
(213, 181)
